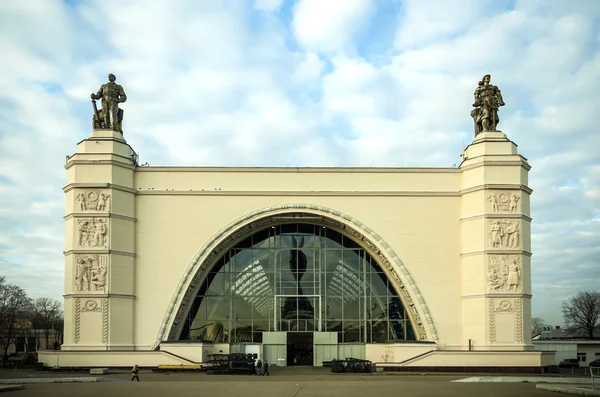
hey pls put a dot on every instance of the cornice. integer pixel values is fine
(99, 215)
(491, 186)
(72, 163)
(100, 295)
(499, 295)
(173, 192)
(496, 215)
(98, 185)
(500, 251)
(352, 170)
(83, 251)
(496, 163)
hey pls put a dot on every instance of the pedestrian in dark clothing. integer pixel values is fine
(134, 372)
(266, 372)
(56, 345)
(258, 367)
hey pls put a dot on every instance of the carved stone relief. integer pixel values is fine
(504, 202)
(492, 320)
(92, 232)
(105, 320)
(504, 306)
(504, 273)
(90, 305)
(513, 308)
(505, 233)
(90, 272)
(93, 200)
(518, 321)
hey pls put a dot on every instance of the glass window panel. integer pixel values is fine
(331, 261)
(200, 330)
(241, 308)
(284, 325)
(397, 330)
(334, 326)
(352, 331)
(308, 232)
(263, 307)
(333, 239)
(395, 308)
(352, 309)
(379, 331)
(373, 266)
(217, 308)
(333, 307)
(201, 313)
(352, 259)
(378, 285)
(218, 266)
(410, 333)
(246, 243)
(261, 239)
(242, 332)
(216, 283)
(378, 308)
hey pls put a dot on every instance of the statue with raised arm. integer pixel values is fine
(488, 100)
(110, 117)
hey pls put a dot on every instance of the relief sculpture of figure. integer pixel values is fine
(497, 234)
(513, 203)
(82, 274)
(488, 100)
(514, 275)
(512, 235)
(102, 201)
(111, 117)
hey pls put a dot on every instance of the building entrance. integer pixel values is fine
(300, 348)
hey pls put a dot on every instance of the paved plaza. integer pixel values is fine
(297, 382)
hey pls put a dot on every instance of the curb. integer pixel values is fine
(11, 388)
(569, 390)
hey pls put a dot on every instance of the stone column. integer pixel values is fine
(100, 244)
(495, 245)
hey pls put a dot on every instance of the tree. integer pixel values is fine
(13, 300)
(536, 325)
(47, 315)
(582, 313)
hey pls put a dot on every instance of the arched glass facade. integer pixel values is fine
(297, 278)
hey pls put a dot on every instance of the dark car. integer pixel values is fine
(595, 363)
(569, 363)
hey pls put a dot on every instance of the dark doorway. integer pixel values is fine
(299, 348)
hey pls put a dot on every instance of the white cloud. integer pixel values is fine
(329, 26)
(268, 5)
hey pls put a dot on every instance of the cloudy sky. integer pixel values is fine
(304, 83)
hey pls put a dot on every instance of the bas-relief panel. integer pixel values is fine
(504, 202)
(93, 200)
(504, 233)
(505, 320)
(93, 306)
(504, 273)
(90, 272)
(92, 232)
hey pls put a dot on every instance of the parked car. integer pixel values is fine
(569, 363)
(595, 363)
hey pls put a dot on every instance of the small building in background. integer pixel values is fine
(567, 345)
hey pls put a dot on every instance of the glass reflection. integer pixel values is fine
(296, 277)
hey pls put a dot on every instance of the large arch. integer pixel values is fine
(248, 224)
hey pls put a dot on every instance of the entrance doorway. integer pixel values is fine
(300, 348)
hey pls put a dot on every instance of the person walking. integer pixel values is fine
(266, 371)
(134, 372)
(258, 367)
